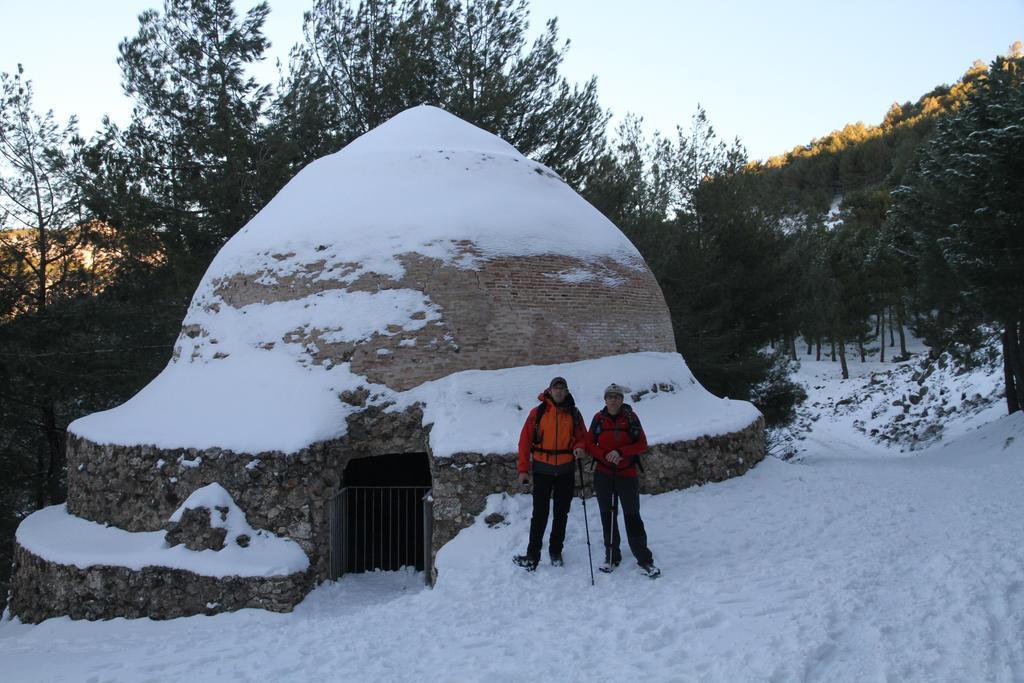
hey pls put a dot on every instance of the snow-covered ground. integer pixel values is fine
(852, 562)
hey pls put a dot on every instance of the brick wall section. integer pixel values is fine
(510, 312)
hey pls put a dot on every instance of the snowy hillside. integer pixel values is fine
(851, 562)
(907, 406)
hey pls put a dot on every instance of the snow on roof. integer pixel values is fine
(424, 182)
(54, 534)
(477, 411)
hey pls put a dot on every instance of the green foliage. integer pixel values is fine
(360, 65)
(695, 214)
(777, 395)
(39, 202)
(859, 156)
(959, 217)
(193, 154)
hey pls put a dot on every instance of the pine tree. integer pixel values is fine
(195, 136)
(40, 231)
(361, 65)
(963, 210)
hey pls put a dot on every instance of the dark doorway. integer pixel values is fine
(383, 514)
(398, 469)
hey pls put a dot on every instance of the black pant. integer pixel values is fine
(628, 490)
(546, 487)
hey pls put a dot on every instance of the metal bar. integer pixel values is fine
(332, 530)
(391, 528)
(428, 519)
(369, 529)
(337, 536)
(343, 509)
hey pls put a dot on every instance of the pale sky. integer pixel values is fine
(774, 73)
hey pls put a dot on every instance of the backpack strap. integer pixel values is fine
(634, 423)
(635, 429)
(596, 426)
(536, 424)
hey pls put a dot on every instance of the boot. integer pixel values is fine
(526, 562)
(650, 570)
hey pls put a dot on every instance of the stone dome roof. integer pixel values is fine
(431, 246)
(425, 247)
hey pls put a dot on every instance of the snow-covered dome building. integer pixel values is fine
(386, 320)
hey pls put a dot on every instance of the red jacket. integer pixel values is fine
(551, 442)
(622, 433)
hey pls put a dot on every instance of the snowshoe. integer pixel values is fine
(526, 562)
(650, 571)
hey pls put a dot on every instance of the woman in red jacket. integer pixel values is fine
(616, 441)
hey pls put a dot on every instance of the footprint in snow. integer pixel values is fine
(710, 621)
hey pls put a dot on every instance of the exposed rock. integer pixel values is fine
(494, 519)
(195, 530)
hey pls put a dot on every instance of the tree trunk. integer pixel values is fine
(832, 341)
(842, 356)
(39, 476)
(55, 461)
(810, 346)
(1013, 368)
(892, 341)
(881, 337)
(899, 326)
(792, 347)
(818, 345)
(860, 345)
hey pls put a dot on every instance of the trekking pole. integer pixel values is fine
(586, 523)
(615, 517)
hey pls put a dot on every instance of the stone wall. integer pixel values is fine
(286, 495)
(679, 465)
(137, 488)
(463, 482)
(41, 589)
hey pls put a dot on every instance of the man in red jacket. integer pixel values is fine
(616, 441)
(552, 436)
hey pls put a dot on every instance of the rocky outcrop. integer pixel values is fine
(195, 531)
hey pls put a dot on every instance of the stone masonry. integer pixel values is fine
(463, 482)
(137, 489)
(43, 589)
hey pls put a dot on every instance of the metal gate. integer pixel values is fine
(380, 527)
